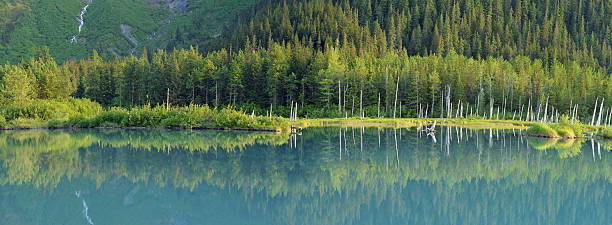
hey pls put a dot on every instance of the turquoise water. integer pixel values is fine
(322, 176)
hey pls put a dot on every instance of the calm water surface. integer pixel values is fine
(323, 176)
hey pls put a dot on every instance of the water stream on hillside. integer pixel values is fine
(81, 21)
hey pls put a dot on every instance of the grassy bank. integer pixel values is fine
(82, 113)
(414, 122)
(564, 129)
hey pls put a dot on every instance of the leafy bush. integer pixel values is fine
(50, 109)
(605, 133)
(541, 130)
(564, 129)
(2, 121)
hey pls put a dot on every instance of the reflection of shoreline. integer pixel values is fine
(265, 161)
(286, 181)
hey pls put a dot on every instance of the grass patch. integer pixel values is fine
(190, 117)
(413, 122)
(542, 130)
(563, 129)
(82, 113)
(605, 133)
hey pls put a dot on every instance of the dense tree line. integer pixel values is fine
(337, 81)
(560, 30)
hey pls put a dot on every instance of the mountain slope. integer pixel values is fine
(111, 27)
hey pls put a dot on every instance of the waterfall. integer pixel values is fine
(81, 22)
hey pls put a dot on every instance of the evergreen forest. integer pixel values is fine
(352, 58)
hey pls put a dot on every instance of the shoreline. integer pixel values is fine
(414, 122)
(325, 122)
(146, 128)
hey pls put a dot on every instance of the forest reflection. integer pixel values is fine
(334, 175)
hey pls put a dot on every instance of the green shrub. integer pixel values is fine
(79, 121)
(541, 130)
(565, 131)
(55, 124)
(2, 121)
(50, 109)
(605, 133)
(84, 113)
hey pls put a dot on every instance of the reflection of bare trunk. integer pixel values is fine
(448, 134)
(599, 150)
(340, 140)
(361, 140)
(378, 137)
(345, 148)
(593, 148)
(396, 149)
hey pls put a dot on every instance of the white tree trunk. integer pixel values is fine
(546, 110)
(600, 111)
(594, 111)
(396, 90)
(361, 103)
(378, 115)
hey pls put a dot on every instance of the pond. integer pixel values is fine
(325, 175)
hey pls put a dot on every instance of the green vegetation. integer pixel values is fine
(542, 130)
(192, 117)
(82, 113)
(566, 148)
(258, 79)
(413, 122)
(605, 133)
(374, 59)
(561, 31)
(26, 25)
(564, 129)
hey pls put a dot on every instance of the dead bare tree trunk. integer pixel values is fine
(353, 107)
(378, 115)
(396, 90)
(361, 103)
(594, 111)
(441, 106)
(546, 110)
(448, 102)
(600, 111)
(491, 108)
(339, 99)
(497, 115)
(168, 99)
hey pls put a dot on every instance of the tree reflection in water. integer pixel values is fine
(327, 175)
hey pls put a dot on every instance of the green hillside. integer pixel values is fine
(560, 30)
(111, 27)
